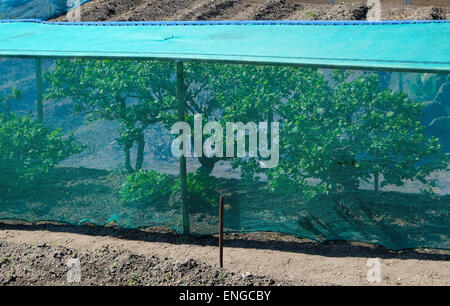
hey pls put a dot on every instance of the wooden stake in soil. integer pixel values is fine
(221, 231)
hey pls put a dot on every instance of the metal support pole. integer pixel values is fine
(221, 231)
(269, 129)
(183, 172)
(400, 81)
(40, 105)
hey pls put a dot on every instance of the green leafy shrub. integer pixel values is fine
(144, 186)
(202, 191)
(28, 149)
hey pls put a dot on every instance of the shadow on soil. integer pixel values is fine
(263, 240)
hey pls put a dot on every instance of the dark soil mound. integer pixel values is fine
(348, 12)
(22, 264)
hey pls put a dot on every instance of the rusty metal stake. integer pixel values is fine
(221, 231)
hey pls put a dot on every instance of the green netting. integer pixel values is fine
(390, 45)
(363, 155)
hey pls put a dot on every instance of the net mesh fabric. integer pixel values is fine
(363, 155)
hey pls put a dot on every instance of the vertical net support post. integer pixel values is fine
(40, 106)
(181, 88)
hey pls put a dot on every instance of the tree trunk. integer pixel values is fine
(127, 147)
(207, 164)
(140, 151)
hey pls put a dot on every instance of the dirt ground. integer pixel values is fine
(140, 10)
(43, 264)
(281, 259)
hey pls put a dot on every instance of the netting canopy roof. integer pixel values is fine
(407, 46)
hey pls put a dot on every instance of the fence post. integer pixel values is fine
(40, 106)
(183, 172)
(221, 231)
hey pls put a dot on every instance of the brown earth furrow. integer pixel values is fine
(105, 10)
(140, 10)
(211, 10)
(156, 10)
(275, 10)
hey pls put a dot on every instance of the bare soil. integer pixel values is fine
(140, 10)
(44, 264)
(37, 254)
